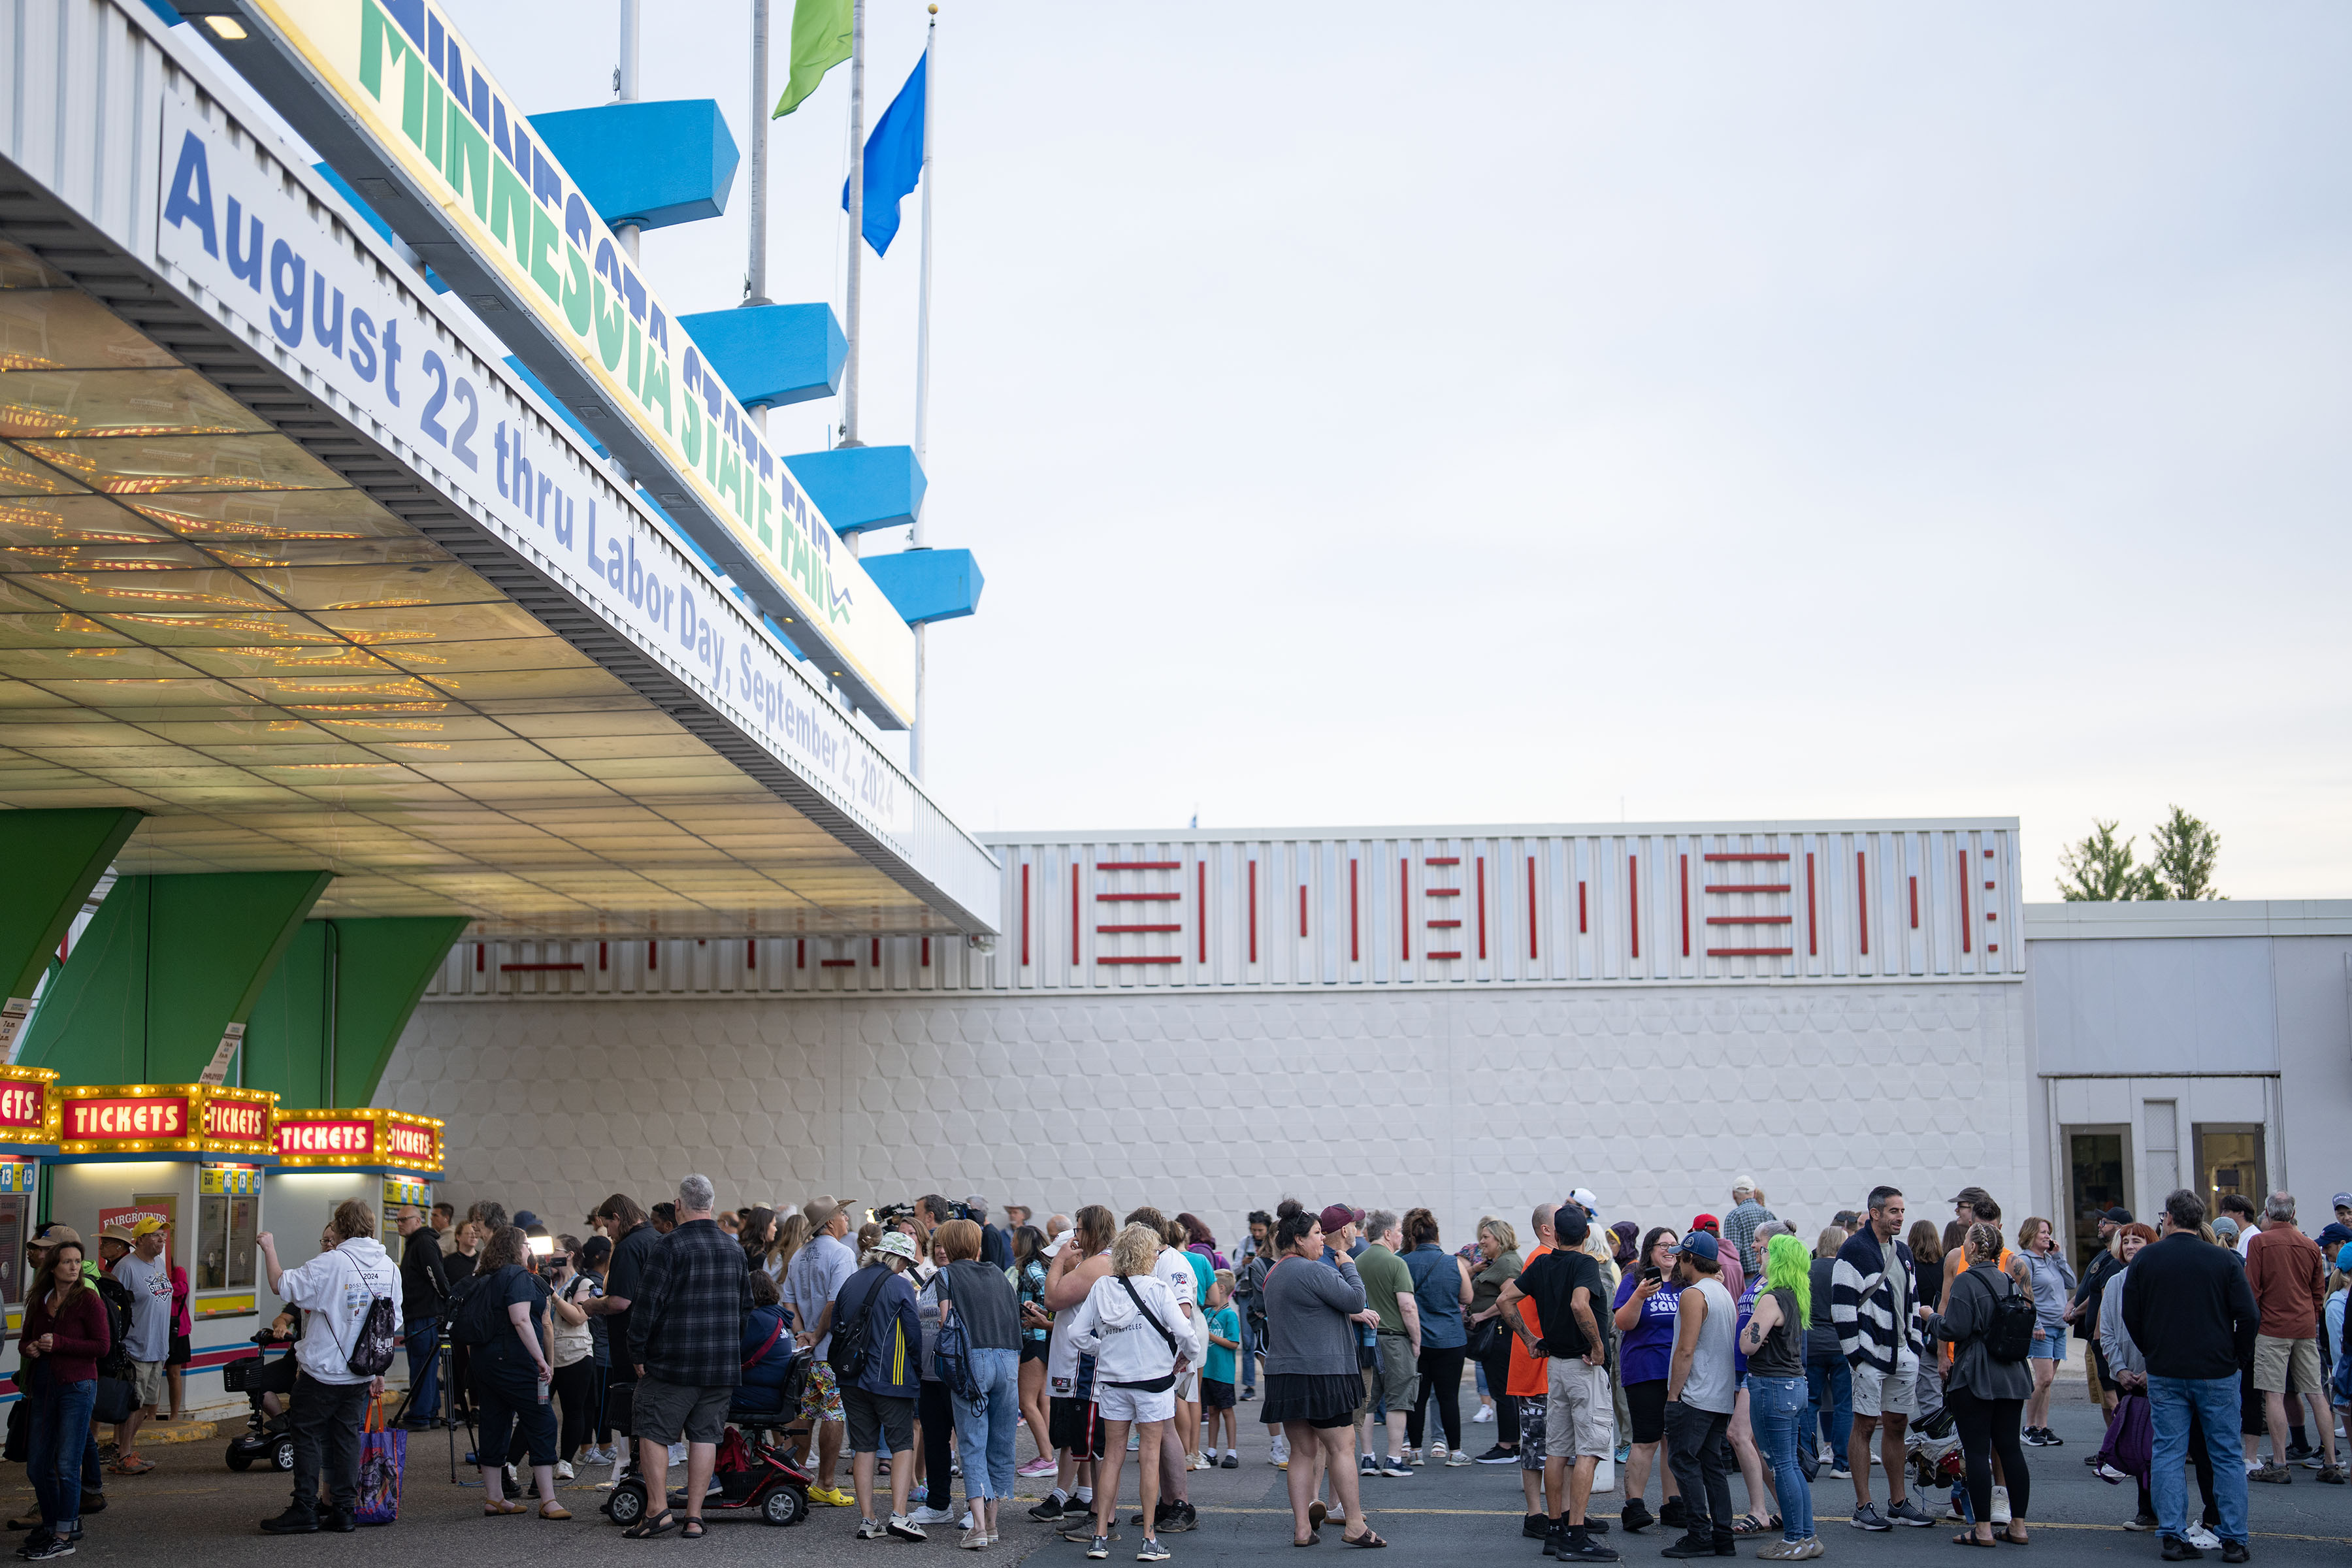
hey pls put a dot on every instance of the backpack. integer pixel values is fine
(472, 1320)
(846, 1351)
(952, 1351)
(2008, 1335)
(115, 1296)
(378, 1337)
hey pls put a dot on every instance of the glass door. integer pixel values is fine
(2096, 1182)
(2230, 1160)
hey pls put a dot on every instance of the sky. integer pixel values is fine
(1582, 414)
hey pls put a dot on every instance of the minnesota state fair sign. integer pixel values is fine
(420, 91)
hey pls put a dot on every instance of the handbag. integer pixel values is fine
(383, 1455)
(114, 1400)
(1485, 1337)
(1155, 1385)
(952, 1355)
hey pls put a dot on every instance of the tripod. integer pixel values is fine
(445, 1359)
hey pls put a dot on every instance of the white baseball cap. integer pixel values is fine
(1743, 1184)
(1582, 1197)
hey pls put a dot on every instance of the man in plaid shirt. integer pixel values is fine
(685, 1339)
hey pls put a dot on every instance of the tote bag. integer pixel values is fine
(383, 1455)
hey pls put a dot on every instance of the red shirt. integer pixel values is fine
(2284, 1268)
(82, 1336)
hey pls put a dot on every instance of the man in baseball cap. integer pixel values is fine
(1701, 1389)
(1339, 1223)
(148, 1341)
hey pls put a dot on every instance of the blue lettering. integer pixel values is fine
(285, 265)
(248, 267)
(192, 193)
(328, 335)
(362, 354)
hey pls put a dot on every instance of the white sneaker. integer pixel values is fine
(1827, 1457)
(562, 1470)
(929, 1515)
(1277, 1451)
(2001, 1505)
(1486, 1413)
(676, 1454)
(2199, 1536)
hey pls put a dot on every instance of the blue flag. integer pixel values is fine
(894, 161)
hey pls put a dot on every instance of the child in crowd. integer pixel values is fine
(1225, 1327)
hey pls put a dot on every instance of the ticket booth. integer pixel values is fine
(384, 1158)
(28, 1134)
(192, 1154)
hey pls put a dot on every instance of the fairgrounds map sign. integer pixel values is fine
(418, 91)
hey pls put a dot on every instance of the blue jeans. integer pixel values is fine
(1830, 1402)
(2215, 1401)
(1249, 1352)
(986, 1426)
(60, 1429)
(424, 1368)
(1777, 1409)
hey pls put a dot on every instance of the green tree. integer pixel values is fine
(2100, 870)
(2185, 852)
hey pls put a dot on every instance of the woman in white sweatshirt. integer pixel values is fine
(1141, 1342)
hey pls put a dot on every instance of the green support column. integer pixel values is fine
(327, 1022)
(166, 965)
(54, 859)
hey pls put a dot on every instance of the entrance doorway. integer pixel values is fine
(2230, 1160)
(2096, 1181)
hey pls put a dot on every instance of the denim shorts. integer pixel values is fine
(2048, 1347)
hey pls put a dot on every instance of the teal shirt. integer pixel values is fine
(1219, 1365)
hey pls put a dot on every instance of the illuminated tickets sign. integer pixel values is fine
(182, 1118)
(353, 1140)
(117, 1120)
(24, 1104)
(28, 1108)
(263, 257)
(418, 89)
(358, 1138)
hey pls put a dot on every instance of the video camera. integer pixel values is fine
(894, 1213)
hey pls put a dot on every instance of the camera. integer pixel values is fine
(890, 1214)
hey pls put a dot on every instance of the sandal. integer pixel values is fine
(1968, 1538)
(692, 1530)
(501, 1508)
(551, 1509)
(1749, 1524)
(2014, 1540)
(646, 1529)
(1367, 1539)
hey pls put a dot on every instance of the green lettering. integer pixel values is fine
(546, 234)
(510, 209)
(575, 288)
(637, 344)
(466, 158)
(377, 32)
(609, 339)
(690, 439)
(656, 393)
(763, 503)
(437, 109)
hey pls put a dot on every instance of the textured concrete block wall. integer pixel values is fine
(1472, 1104)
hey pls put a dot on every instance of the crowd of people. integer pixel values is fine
(919, 1342)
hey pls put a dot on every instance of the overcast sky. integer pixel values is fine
(1577, 411)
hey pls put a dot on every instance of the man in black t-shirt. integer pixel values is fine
(1566, 1286)
(635, 1237)
(424, 1291)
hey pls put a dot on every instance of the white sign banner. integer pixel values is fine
(13, 1013)
(226, 223)
(226, 1053)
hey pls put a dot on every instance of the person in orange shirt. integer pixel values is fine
(1529, 1382)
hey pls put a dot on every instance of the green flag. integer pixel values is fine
(819, 41)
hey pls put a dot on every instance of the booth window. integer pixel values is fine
(2230, 1160)
(224, 1229)
(14, 1209)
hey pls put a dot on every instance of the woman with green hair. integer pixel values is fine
(1774, 1343)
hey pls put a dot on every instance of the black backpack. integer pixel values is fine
(115, 1296)
(846, 1352)
(378, 1339)
(472, 1320)
(2009, 1333)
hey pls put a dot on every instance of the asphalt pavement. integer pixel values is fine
(193, 1512)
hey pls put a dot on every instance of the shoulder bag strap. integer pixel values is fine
(1148, 1318)
(761, 1354)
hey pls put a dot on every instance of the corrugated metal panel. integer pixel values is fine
(1418, 908)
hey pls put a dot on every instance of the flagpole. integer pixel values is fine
(755, 281)
(857, 224)
(923, 361)
(625, 87)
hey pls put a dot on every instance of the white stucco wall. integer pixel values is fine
(1654, 1097)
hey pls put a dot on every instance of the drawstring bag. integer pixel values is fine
(382, 1453)
(2131, 1438)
